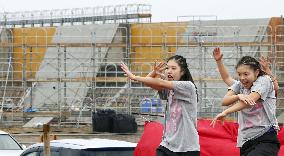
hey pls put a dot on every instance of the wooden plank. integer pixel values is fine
(46, 139)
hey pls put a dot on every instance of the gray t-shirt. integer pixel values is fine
(180, 132)
(258, 119)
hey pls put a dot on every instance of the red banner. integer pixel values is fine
(218, 141)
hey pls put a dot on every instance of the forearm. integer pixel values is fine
(224, 73)
(274, 81)
(236, 107)
(155, 83)
(151, 74)
(276, 86)
(228, 100)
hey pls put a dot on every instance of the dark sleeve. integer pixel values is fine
(163, 94)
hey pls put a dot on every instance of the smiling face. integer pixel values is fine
(173, 71)
(247, 75)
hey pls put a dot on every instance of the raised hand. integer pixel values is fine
(265, 63)
(159, 69)
(127, 72)
(217, 54)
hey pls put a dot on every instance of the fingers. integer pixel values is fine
(248, 100)
(221, 117)
(264, 61)
(124, 68)
(217, 49)
(222, 122)
(161, 64)
(213, 122)
(217, 54)
(159, 68)
(122, 65)
(162, 69)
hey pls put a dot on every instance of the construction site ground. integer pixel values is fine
(28, 136)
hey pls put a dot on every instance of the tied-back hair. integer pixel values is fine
(181, 61)
(252, 62)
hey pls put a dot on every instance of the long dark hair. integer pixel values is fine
(252, 62)
(181, 61)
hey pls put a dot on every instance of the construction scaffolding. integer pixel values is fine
(78, 16)
(72, 70)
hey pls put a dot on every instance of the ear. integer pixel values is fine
(181, 73)
(257, 72)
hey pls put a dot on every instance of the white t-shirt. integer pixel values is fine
(180, 132)
(258, 119)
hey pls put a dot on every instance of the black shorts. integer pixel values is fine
(162, 151)
(265, 145)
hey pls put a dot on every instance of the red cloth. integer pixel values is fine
(281, 139)
(218, 141)
(150, 139)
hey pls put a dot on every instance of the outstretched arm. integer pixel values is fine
(149, 81)
(221, 67)
(241, 104)
(264, 62)
(236, 107)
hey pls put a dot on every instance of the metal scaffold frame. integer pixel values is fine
(197, 43)
(76, 16)
(79, 72)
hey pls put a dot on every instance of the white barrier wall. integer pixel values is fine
(71, 63)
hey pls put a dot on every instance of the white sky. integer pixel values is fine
(165, 10)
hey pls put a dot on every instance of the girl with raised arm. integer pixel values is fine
(180, 136)
(254, 97)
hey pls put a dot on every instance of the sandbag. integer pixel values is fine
(103, 120)
(124, 123)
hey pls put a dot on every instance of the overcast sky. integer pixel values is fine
(165, 10)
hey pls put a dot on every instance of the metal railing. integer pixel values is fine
(102, 14)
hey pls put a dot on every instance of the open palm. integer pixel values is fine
(217, 54)
(126, 70)
(159, 69)
(264, 62)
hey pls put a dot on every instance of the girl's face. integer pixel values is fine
(247, 75)
(173, 71)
